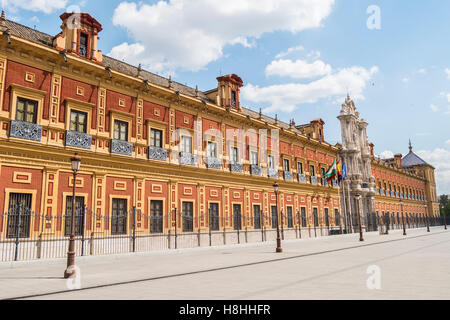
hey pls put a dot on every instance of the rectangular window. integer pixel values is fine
(327, 218)
(186, 144)
(26, 110)
(271, 162)
(120, 130)
(274, 217)
(316, 217)
(156, 138)
(290, 219)
(156, 216)
(304, 222)
(19, 215)
(78, 121)
(237, 217)
(286, 165)
(214, 211)
(212, 150)
(336, 217)
(119, 217)
(300, 167)
(234, 155)
(188, 216)
(79, 216)
(312, 171)
(257, 216)
(233, 99)
(83, 44)
(254, 158)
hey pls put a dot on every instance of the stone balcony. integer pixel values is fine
(272, 173)
(25, 130)
(121, 147)
(302, 178)
(255, 170)
(78, 139)
(236, 167)
(156, 153)
(188, 158)
(213, 163)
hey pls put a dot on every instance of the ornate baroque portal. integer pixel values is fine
(359, 186)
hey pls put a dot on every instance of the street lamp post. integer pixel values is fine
(445, 217)
(426, 215)
(358, 197)
(275, 189)
(403, 218)
(76, 163)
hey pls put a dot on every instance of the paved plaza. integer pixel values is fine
(413, 267)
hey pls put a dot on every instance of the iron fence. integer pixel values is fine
(27, 235)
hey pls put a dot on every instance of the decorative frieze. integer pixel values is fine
(78, 139)
(25, 130)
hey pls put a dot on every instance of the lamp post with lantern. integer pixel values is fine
(70, 271)
(358, 198)
(276, 189)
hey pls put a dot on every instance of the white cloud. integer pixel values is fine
(45, 6)
(298, 69)
(289, 51)
(35, 19)
(387, 154)
(448, 97)
(286, 97)
(447, 142)
(405, 80)
(440, 159)
(188, 35)
(434, 108)
(447, 71)
(422, 71)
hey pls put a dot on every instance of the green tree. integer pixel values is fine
(444, 205)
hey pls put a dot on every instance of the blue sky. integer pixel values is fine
(396, 74)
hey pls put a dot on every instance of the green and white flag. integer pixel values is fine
(332, 172)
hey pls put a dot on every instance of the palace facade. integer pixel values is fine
(152, 144)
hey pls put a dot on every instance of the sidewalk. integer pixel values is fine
(42, 277)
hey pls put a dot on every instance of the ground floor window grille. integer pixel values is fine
(19, 215)
(79, 216)
(156, 216)
(214, 210)
(188, 217)
(119, 217)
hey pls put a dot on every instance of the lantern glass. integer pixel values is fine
(275, 187)
(76, 162)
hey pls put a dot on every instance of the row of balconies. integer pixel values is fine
(31, 131)
(400, 195)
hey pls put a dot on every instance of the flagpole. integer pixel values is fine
(345, 206)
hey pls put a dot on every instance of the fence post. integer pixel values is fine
(209, 224)
(134, 229)
(261, 222)
(198, 233)
(224, 232)
(282, 226)
(83, 209)
(17, 232)
(176, 231)
(38, 246)
(299, 225)
(91, 244)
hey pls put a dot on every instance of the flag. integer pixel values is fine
(332, 172)
(344, 171)
(339, 171)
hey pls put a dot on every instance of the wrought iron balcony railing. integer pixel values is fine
(313, 180)
(156, 153)
(188, 158)
(236, 167)
(213, 163)
(78, 139)
(301, 178)
(255, 170)
(324, 182)
(288, 176)
(25, 130)
(121, 147)
(272, 173)
(335, 183)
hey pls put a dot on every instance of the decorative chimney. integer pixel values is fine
(398, 160)
(317, 128)
(372, 146)
(229, 91)
(79, 36)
